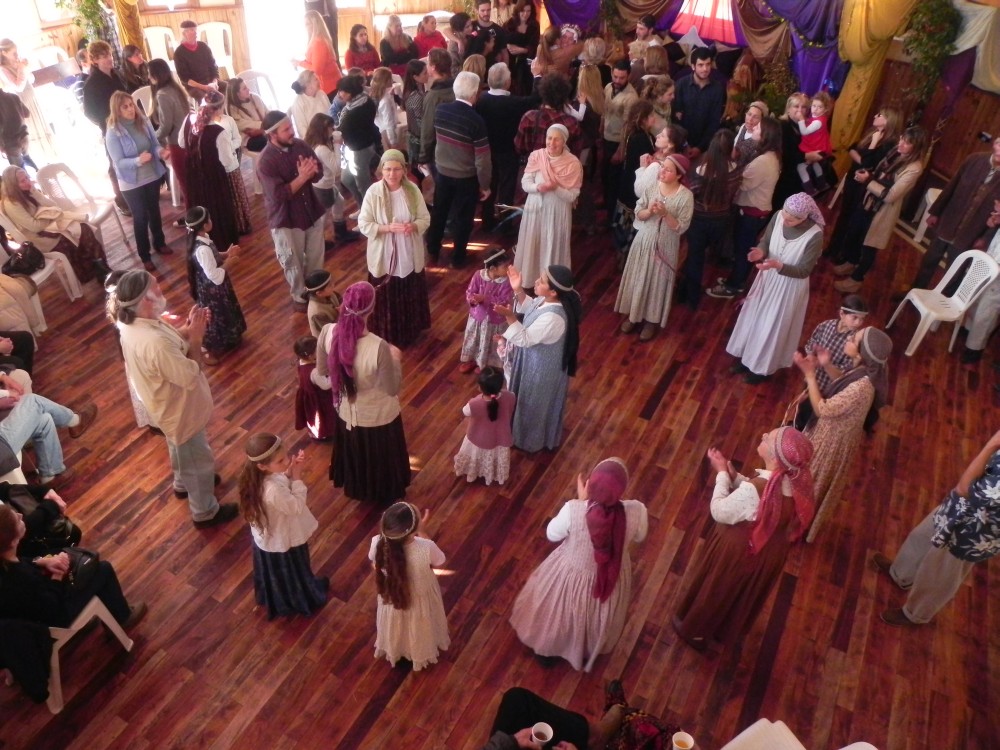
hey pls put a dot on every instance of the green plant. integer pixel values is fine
(88, 16)
(778, 83)
(614, 24)
(930, 39)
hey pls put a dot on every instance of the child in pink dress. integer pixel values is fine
(816, 137)
(485, 451)
(487, 288)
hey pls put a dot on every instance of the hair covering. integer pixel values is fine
(875, 348)
(802, 206)
(316, 280)
(680, 161)
(565, 170)
(606, 522)
(392, 154)
(854, 303)
(359, 300)
(560, 279)
(127, 279)
(762, 106)
(272, 120)
(793, 451)
(570, 28)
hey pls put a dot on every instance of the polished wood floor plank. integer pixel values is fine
(209, 671)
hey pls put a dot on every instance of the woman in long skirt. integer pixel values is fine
(575, 603)
(756, 522)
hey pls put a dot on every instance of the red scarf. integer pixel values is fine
(606, 523)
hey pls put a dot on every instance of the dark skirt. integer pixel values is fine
(83, 256)
(285, 584)
(225, 329)
(371, 463)
(242, 203)
(727, 586)
(402, 310)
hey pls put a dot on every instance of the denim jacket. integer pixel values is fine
(125, 155)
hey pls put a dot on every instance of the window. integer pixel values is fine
(712, 18)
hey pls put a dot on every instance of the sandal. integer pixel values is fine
(614, 695)
(209, 359)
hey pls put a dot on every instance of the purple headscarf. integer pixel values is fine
(801, 206)
(359, 300)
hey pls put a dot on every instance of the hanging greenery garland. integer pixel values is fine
(88, 16)
(929, 41)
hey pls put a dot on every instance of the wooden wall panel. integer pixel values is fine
(233, 16)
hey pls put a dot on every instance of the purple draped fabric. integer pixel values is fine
(955, 76)
(584, 13)
(814, 66)
(816, 20)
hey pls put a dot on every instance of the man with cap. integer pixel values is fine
(164, 365)
(195, 63)
(826, 344)
(287, 169)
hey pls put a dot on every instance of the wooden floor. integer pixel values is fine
(209, 671)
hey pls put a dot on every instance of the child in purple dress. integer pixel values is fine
(487, 288)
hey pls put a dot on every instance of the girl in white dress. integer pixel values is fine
(410, 622)
(769, 327)
(15, 78)
(574, 604)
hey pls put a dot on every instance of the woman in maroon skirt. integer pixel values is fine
(757, 521)
(394, 218)
(363, 374)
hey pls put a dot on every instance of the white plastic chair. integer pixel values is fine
(43, 57)
(254, 158)
(764, 733)
(928, 200)
(256, 82)
(218, 35)
(160, 42)
(935, 307)
(143, 98)
(54, 180)
(55, 263)
(95, 608)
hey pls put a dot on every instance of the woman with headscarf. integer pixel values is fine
(546, 341)
(841, 413)
(574, 604)
(394, 218)
(363, 373)
(662, 214)
(552, 179)
(769, 327)
(746, 145)
(756, 522)
(210, 158)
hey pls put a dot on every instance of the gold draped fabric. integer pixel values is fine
(129, 28)
(866, 29)
(633, 10)
(768, 38)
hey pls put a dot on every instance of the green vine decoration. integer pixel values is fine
(777, 84)
(614, 24)
(88, 16)
(929, 41)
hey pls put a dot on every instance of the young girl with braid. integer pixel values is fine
(410, 623)
(273, 501)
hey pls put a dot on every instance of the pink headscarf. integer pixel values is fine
(565, 170)
(793, 452)
(359, 300)
(606, 522)
(801, 206)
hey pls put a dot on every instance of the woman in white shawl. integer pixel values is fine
(552, 180)
(394, 218)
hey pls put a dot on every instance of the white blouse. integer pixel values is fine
(289, 520)
(736, 500)
(547, 329)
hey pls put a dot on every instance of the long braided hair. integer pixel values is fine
(399, 523)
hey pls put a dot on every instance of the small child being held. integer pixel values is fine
(324, 302)
(273, 501)
(313, 407)
(487, 288)
(485, 451)
(816, 137)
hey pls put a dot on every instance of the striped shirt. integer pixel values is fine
(463, 147)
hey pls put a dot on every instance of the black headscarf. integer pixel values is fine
(561, 282)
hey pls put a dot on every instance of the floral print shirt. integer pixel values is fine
(970, 526)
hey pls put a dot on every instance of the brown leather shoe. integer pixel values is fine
(57, 481)
(135, 613)
(882, 563)
(149, 266)
(87, 416)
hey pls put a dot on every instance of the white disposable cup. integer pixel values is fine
(541, 732)
(683, 741)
